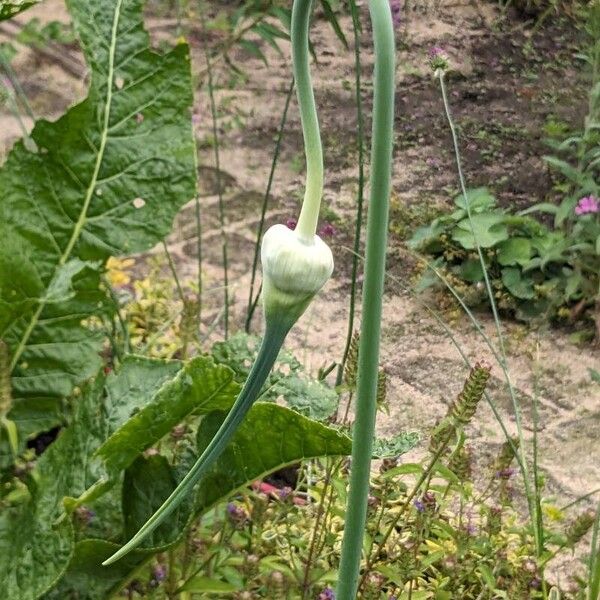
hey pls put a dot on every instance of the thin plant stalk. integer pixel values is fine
(12, 76)
(503, 362)
(224, 249)
(122, 324)
(267, 354)
(14, 109)
(361, 185)
(174, 272)
(199, 262)
(594, 561)
(368, 355)
(252, 300)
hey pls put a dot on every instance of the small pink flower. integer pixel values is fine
(291, 224)
(328, 230)
(587, 205)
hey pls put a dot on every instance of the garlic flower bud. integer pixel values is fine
(294, 270)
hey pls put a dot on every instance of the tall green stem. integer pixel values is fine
(267, 354)
(368, 355)
(309, 215)
(361, 187)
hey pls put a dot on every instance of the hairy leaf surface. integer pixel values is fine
(105, 179)
(200, 387)
(269, 438)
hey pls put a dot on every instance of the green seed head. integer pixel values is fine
(294, 270)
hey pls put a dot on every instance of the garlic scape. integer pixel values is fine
(295, 265)
(294, 269)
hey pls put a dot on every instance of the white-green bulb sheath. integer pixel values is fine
(309, 215)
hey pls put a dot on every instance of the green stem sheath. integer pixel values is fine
(309, 215)
(271, 344)
(368, 356)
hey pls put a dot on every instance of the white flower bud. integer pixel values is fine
(294, 270)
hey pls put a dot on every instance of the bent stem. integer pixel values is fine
(368, 356)
(309, 215)
(271, 344)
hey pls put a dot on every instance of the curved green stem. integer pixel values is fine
(271, 344)
(368, 356)
(309, 215)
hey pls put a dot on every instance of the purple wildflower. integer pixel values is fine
(291, 224)
(505, 473)
(328, 230)
(419, 506)
(587, 205)
(236, 513)
(396, 8)
(284, 492)
(327, 594)
(159, 572)
(438, 58)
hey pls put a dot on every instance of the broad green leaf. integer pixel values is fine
(478, 199)
(489, 229)
(514, 251)
(396, 445)
(105, 179)
(87, 579)
(287, 380)
(206, 585)
(516, 284)
(200, 387)
(36, 539)
(10, 8)
(148, 483)
(307, 396)
(286, 437)
(470, 270)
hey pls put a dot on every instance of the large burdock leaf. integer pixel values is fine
(200, 387)
(105, 179)
(36, 538)
(285, 437)
(270, 437)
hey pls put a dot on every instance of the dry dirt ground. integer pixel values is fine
(502, 95)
